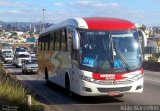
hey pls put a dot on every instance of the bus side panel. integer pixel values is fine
(75, 78)
(62, 65)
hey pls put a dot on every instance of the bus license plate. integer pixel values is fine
(113, 93)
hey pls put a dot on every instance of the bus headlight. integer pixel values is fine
(137, 77)
(89, 79)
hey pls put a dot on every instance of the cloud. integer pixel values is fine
(13, 4)
(20, 15)
(15, 12)
(58, 11)
(58, 4)
(93, 4)
(86, 3)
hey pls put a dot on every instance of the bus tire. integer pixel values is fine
(46, 77)
(67, 86)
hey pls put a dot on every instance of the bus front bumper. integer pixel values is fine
(91, 89)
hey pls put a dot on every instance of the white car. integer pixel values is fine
(18, 57)
(30, 65)
(8, 57)
(33, 55)
(21, 49)
(6, 52)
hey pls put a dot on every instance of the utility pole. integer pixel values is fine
(43, 19)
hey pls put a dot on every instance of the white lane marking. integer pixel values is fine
(152, 80)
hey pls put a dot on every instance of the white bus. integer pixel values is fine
(92, 56)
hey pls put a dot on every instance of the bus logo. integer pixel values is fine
(108, 76)
(115, 82)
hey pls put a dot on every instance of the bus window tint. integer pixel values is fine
(39, 44)
(57, 41)
(42, 43)
(70, 34)
(63, 39)
(46, 42)
(51, 44)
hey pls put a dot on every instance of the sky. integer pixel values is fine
(145, 12)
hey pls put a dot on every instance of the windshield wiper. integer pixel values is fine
(122, 58)
(110, 57)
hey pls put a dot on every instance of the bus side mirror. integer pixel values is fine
(144, 37)
(76, 40)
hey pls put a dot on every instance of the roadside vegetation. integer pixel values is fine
(13, 96)
(154, 57)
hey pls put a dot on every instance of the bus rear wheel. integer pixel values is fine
(46, 77)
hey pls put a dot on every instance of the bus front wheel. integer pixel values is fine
(67, 86)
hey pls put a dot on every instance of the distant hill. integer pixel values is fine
(23, 26)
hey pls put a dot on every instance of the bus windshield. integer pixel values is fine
(110, 51)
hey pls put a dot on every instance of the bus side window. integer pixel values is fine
(57, 41)
(46, 42)
(63, 40)
(51, 44)
(39, 43)
(70, 34)
(54, 41)
(43, 41)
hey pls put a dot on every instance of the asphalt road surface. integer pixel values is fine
(56, 98)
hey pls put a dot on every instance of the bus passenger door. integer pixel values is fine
(75, 69)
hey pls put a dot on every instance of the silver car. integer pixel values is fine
(8, 57)
(30, 66)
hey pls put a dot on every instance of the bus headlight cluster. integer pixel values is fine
(89, 79)
(137, 77)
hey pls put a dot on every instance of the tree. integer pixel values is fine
(143, 27)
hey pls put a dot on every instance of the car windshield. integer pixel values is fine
(8, 55)
(32, 62)
(21, 50)
(23, 56)
(7, 52)
(109, 51)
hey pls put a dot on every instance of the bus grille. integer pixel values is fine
(110, 82)
(121, 89)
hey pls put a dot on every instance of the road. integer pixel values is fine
(57, 99)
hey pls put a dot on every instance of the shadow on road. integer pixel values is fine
(55, 95)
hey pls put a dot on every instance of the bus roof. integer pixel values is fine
(108, 23)
(97, 23)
